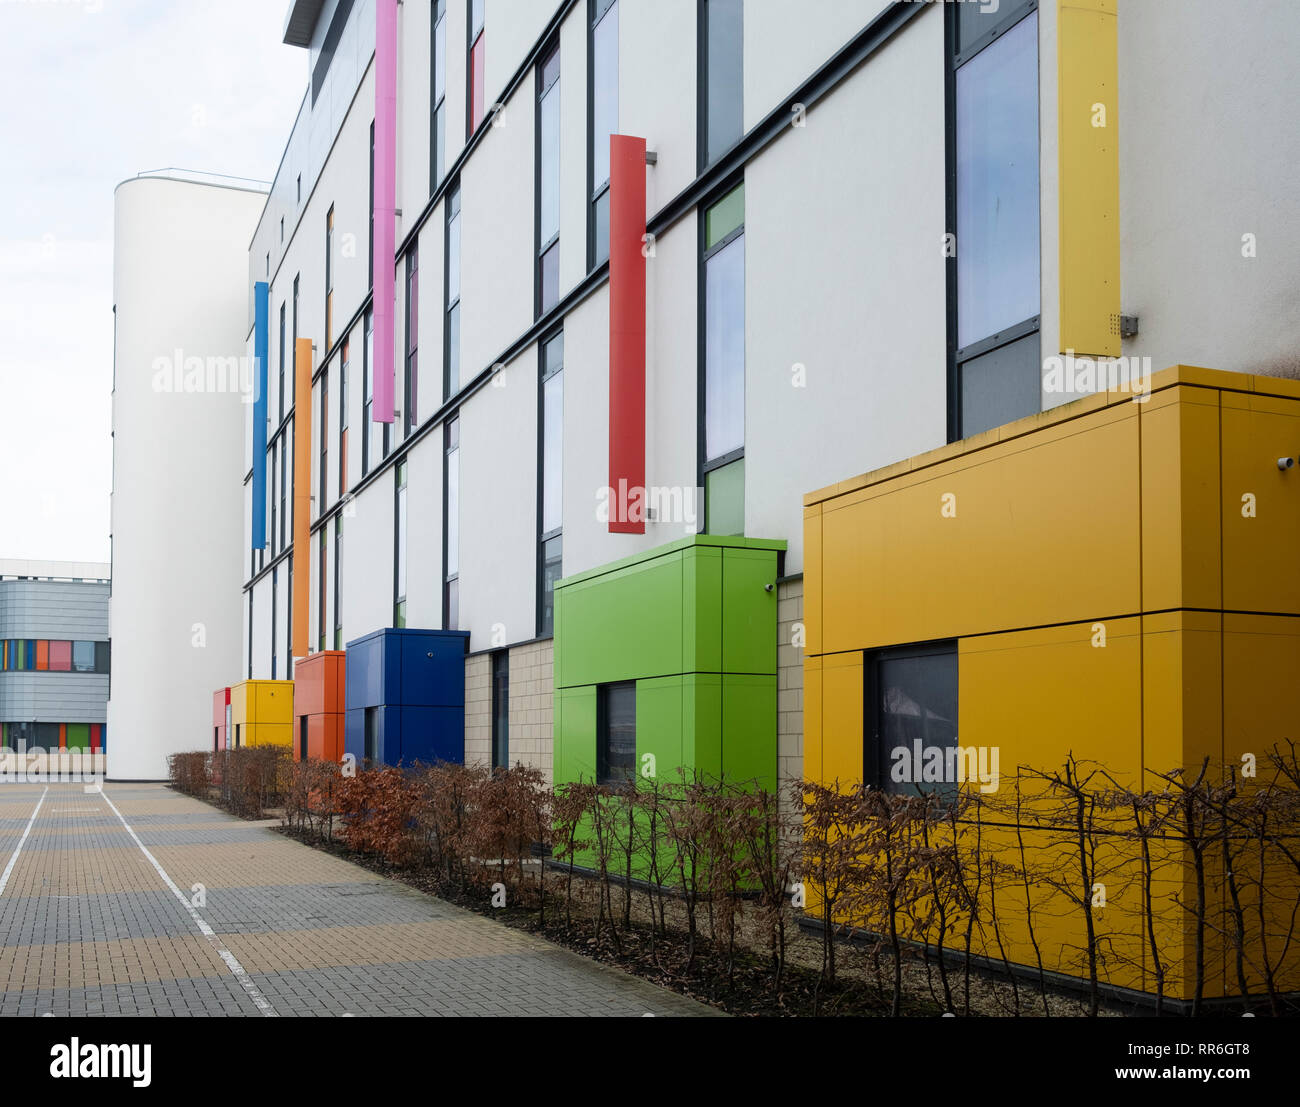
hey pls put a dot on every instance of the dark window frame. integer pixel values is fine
(450, 581)
(451, 200)
(596, 12)
(604, 776)
(437, 135)
(411, 367)
(540, 248)
(544, 537)
(401, 477)
(472, 40)
(705, 464)
(702, 159)
(1009, 16)
(873, 714)
(500, 709)
(338, 582)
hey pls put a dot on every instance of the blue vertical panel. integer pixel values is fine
(261, 343)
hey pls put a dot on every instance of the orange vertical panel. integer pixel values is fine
(42, 654)
(302, 497)
(63, 736)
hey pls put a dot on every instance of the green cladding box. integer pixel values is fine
(685, 636)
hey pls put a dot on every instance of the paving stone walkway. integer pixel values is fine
(139, 901)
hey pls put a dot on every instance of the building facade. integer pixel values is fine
(598, 291)
(54, 655)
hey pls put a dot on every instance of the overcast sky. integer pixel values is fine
(93, 92)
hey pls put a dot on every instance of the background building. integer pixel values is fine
(179, 395)
(54, 654)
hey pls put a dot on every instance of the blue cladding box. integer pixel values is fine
(405, 696)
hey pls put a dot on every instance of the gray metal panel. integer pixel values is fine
(53, 697)
(53, 609)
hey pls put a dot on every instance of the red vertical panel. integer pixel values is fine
(63, 736)
(94, 737)
(626, 334)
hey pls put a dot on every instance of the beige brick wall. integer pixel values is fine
(789, 685)
(478, 709)
(532, 691)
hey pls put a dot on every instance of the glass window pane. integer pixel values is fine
(453, 259)
(725, 54)
(724, 499)
(1001, 386)
(440, 62)
(453, 512)
(549, 274)
(724, 350)
(554, 355)
(453, 350)
(103, 657)
(602, 227)
(552, 452)
(918, 703)
(401, 544)
(83, 657)
(997, 185)
(476, 17)
(616, 753)
(549, 160)
(441, 128)
(451, 598)
(552, 557)
(604, 45)
(477, 94)
(724, 217)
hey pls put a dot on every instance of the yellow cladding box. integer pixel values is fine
(1113, 581)
(263, 710)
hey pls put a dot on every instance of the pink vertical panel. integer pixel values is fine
(60, 657)
(385, 170)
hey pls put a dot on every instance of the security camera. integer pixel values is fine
(767, 588)
(1285, 463)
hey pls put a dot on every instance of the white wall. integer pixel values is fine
(1208, 152)
(179, 281)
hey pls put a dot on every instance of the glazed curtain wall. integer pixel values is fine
(41, 655)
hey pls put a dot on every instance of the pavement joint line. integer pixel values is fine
(232, 962)
(13, 859)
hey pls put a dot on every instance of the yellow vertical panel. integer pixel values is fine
(302, 498)
(1182, 701)
(842, 697)
(1181, 500)
(812, 578)
(1088, 149)
(1039, 695)
(239, 703)
(1259, 550)
(812, 719)
(1261, 683)
(992, 541)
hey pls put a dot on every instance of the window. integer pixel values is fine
(451, 524)
(338, 582)
(329, 279)
(322, 577)
(293, 351)
(279, 411)
(723, 378)
(721, 78)
(103, 657)
(399, 548)
(288, 618)
(370, 271)
(550, 480)
(83, 657)
(602, 121)
(451, 280)
(275, 503)
(438, 97)
(344, 358)
(299, 193)
(370, 750)
(250, 647)
(474, 91)
(995, 205)
(912, 706)
(329, 47)
(275, 611)
(412, 338)
(368, 391)
(282, 228)
(548, 181)
(284, 484)
(324, 441)
(616, 733)
(501, 709)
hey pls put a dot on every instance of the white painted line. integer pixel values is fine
(9, 868)
(232, 962)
